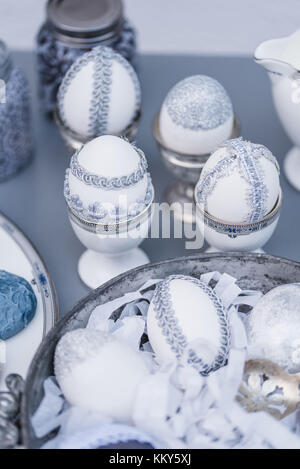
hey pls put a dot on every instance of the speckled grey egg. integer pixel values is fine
(97, 372)
(273, 327)
(196, 116)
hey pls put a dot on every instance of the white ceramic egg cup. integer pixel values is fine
(186, 169)
(74, 141)
(226, 237)
(111, 249)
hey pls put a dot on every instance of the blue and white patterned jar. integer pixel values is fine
(73, 28)
(15, 125)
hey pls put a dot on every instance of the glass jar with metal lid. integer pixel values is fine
(73, 27)
(15, 127)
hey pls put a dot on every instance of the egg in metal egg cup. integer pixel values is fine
(99, 95)
(240, 182)
(195, 117)
(109, 196)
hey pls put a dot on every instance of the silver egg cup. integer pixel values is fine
(186, 169)
(224, 237)
(74, 141)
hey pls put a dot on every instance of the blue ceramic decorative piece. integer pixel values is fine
(17, 304)
(15, 128)
(72, 29)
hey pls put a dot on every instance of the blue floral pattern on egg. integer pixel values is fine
(18, 304)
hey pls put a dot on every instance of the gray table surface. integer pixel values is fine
(34, 198)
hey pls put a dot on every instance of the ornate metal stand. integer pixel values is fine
(10, 404)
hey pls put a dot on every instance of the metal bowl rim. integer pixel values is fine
(42, 349)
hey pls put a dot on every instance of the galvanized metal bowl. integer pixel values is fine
(253, 271)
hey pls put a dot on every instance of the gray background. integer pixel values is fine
(175, 26)
(34, 199)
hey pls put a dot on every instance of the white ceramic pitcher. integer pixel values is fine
(281, 58)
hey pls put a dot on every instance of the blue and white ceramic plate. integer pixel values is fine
(19, 256)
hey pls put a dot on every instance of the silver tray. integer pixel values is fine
(19, 256)
(254, 271)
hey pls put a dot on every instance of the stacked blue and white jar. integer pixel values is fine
(15, 127)
(73, 28)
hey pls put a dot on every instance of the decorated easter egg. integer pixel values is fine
(97, 372)
(186, 321)
(239, 182)
(108, 179)
(196, 116)
(17, 304)
(273, 327)
(100, 94)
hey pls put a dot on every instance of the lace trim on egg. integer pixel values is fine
(244, 158)
(264, 151)
(97, 212)
(102, 182)
(210, 178)
(166, 319)
(99, 106)
(252, 173)
(103, 58)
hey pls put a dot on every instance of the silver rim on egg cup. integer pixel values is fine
(234, 230)
(74, 141)
(123, 226)
(186, 169)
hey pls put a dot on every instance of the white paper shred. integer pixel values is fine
(175, 407)
(130, 331)
(47, 417)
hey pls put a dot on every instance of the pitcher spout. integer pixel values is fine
(280, 57)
